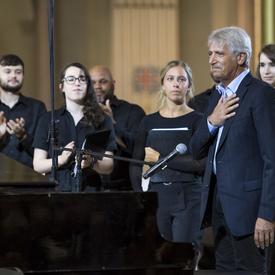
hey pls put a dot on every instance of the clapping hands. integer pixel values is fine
(13, 127)
(3, 125)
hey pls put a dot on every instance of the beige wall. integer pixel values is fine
(17, 35)
(194, 29)
(84, 33)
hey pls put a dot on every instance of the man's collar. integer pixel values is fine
(61, 110)
(234, 84)
(21, 99)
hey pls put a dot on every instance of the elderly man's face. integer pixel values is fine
(223, 63)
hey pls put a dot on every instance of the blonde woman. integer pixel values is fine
(178, 185)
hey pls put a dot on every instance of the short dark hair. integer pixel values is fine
(11, 60)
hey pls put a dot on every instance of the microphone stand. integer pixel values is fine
(53, 142)
(101, 155)
(77, 185)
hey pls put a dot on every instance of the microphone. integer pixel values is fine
(162, 164)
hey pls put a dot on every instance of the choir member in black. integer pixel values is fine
(266, 72)
(19, 114)
(179, 185)
(266, 66)
(125, 116)
(80, 116)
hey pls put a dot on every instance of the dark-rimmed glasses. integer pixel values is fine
(72, 79)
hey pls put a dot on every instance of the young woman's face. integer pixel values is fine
(176, 85)
(74, 85)
(267, 69)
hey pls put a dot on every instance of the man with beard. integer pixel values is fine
(125, 117)
(19, 114)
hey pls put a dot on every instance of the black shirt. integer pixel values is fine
(31, 110)
(67, 132)
(200, 101)
(182, 168)
(127, 117)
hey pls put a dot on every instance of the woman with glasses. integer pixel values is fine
(81, 116)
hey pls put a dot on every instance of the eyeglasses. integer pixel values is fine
(72, 79)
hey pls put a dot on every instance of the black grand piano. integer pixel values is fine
(45, 232)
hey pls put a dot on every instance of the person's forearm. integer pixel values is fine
(45, 165)
(42, 165)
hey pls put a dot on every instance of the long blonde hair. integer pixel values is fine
(163, 72)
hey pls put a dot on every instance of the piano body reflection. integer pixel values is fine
(45, 232)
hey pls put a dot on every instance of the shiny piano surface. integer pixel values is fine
(15, 175)
(87, 233)
(45, 232)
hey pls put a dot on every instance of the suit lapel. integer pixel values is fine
(213, 101)
(241, 92)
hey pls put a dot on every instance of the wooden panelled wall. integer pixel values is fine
(144, 37)
(247, 15)
(134, 37)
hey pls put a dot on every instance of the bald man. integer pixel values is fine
(125, 116)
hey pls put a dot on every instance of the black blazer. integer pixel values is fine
(245, 159)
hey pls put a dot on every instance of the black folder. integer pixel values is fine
(165, 140)
(97, 142)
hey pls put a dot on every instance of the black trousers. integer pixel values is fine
(234, 252)
(271, 259)
(178, 213)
